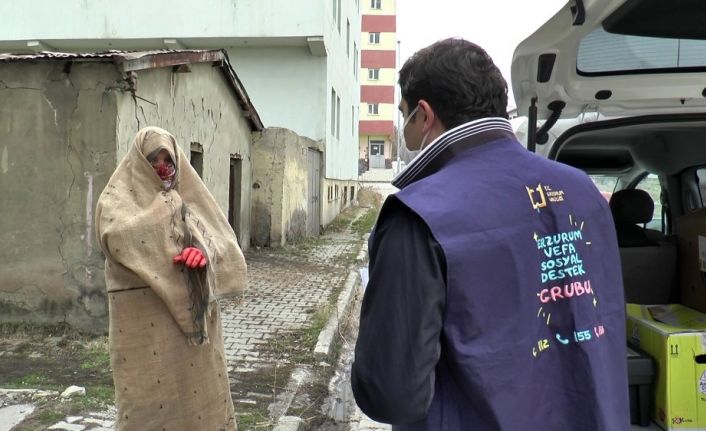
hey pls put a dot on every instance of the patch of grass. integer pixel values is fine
(254, 421)
(50, 417)
(306, 339)
(96, 398)
(96, 357)
(41, 419)
(297, 346)
(99, 396)
(342, 221)
(300, 344)
(347, 260)
(364, 224)
(31, 381)
(318, 321)
(31, 330)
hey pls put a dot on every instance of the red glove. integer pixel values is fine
(192, 257)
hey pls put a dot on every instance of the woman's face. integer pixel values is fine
(164, 167)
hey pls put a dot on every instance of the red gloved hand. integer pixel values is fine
(192, 257)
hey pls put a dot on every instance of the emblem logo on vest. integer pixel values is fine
(542, 195)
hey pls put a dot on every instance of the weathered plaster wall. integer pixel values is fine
(333, 203)
(57, 151)
(280, 187)
(268, 160)
(295, 193)
(197, 107)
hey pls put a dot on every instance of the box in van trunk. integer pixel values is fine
(675, 337)
(691, 230)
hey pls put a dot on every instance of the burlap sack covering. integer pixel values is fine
(166, 347)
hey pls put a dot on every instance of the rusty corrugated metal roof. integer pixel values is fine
(59, 55)
(128, 61)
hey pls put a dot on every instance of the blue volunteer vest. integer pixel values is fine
(533, 333)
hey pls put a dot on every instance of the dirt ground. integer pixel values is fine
(51, 359)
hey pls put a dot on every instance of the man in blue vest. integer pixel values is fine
(495, 298)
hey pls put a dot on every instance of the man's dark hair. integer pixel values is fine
(458, 79)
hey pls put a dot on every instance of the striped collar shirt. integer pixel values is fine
(451, 142)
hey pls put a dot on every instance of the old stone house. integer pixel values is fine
(66, 120)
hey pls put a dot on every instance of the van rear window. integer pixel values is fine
(603, 53)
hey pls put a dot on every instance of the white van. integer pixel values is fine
(618, 89)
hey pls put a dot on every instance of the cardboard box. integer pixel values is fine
(675, 337)
(691, 231)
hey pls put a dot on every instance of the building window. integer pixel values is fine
(338, 17)
(355, 60)
(333, 112)
(352, 120)
(374, 38)
(234, 194)
(348, 38)
(335, 9)
(338, 117)
(196, 158)
(374, 74)
(375, 4)
(373, 108)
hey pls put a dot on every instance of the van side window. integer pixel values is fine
(701, 178)
(650, 184)
(605, 183)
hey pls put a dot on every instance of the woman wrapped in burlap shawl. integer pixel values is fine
(166, 346)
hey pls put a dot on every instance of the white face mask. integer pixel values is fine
(409, 117)
(412, 154)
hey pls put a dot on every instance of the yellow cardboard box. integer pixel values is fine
(675, 336)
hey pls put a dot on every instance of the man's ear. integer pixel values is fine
(429, 115)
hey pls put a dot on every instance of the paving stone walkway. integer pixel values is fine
(285, 288)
